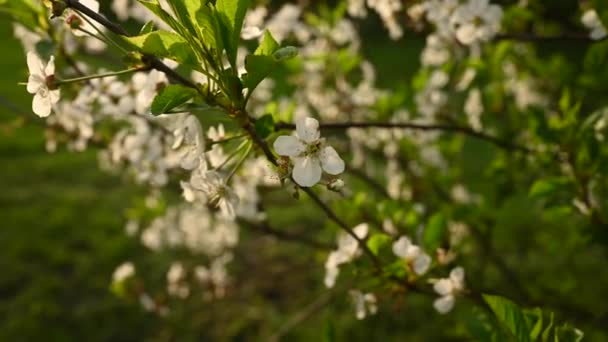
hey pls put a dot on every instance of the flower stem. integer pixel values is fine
(91, 77)
(240, 162)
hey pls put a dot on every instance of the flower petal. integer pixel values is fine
(401, 246)
(444, 304)
(306, 171)
(287, 145)
(422, 264)
(331, 161)
(34, 64)
(50, 68)
(443, 287)
(41, 105)
(308, 129)
(34, 83)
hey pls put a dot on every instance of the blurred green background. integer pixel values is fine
(62, 236)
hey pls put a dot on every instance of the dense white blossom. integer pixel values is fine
(476, 21)
(592, 21)
(365, 303)
(348, 249)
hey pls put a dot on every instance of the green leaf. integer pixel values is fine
(567, 333)
(261, 63)
(147, 28)
(550, 186)
(377, 241)
(510, 316)
(267, 46)
(155, 7)
(171, 97)
(264, 126)
(209, 26)
(545, 337)
(285, 53)
(165, 44)
(434, 232)
(535, 320)
(232, 13)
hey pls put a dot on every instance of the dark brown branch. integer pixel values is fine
(424, 127)
(265, 228)
(531, 37)
(379, 188)
(115, 28)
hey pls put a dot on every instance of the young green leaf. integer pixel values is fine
(434, 232)
(165, 45)
(264, 126)
(171, 97)
(510, 316)
(377, 241)
(261, 63)
(232, 14)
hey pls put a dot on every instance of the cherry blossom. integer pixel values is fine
(38, 84)
(448, 288)
(412, 254)
(309, 153)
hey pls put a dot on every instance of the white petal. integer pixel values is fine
(443, 287)
(54, 95)
(34, 82)
(331, 161)
(306, 171)
(250, 32)
(466, 34)
(422, 264)
(401, 246)
(457, 275)
(308, 129)
(331, 273)
(41, 105)
(50, 68)
(361, 230)
(34, 64)
(444, 304)
(287, 145)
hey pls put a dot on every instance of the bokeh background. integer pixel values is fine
(62, 235)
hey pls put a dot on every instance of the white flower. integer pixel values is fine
(251, 32)
(93, 5)
(348, 249)
(448, 288)
(309, 153)
(123, 272)
(37, 84)
(473, 107)
(365, 303)
(412, 254)
(211, 187)
(476, 21)
(188, 140)
(592, 21)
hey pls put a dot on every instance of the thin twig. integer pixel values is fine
(115, 28)
(265, 228)
(531, 37)
(424, 127)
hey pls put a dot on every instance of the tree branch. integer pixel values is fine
(424, 127)
(265, 228)
(531, 37)
(115, 28)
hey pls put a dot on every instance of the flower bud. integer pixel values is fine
(335, 184)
